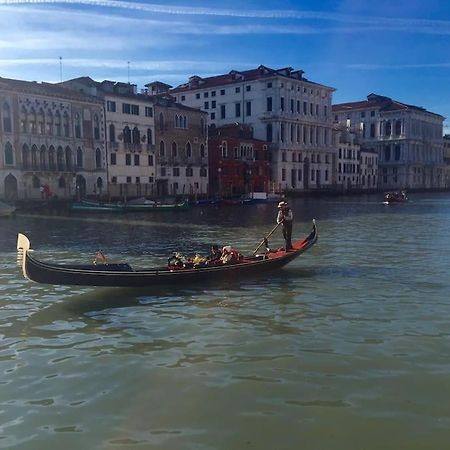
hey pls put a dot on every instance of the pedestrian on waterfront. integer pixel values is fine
(285, 217)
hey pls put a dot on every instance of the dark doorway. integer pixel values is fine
(11, 193)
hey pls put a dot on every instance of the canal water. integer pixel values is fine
(346, 348)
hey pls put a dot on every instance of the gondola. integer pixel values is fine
(124, 275)
(395, 197)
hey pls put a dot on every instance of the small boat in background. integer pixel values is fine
(6, 210)
(395, 197)
(119, 207)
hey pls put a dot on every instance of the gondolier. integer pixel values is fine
(285, 217)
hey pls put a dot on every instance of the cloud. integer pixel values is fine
(399, 23)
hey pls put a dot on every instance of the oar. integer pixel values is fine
(267, 237)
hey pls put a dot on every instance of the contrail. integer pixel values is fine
(262, 14)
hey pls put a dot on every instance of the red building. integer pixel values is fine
(238, 163)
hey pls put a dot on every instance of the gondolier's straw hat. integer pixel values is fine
(282, 204)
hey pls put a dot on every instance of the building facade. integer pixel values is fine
(129, 135)
(285, 109)
(357, 166)
(407, 139)
(51, 141)
(181, 137)
(447, 160)
(238, 163)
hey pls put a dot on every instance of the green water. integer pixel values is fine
(346, 348)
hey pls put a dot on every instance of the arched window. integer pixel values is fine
(177, 125)
(188, 150)
(387, 153)
(149, 136)
(61, 183)
(79, 158)
(161, 121)
(136, 135)
(162, 149)
(68, 155)
(66, 125)
(112, 133)
(42, 158)
(49, 123)
(174, 149)
(98, 158)
(34, 158)
(397, 152)
(60, 159)
(99, 183)
(51, 158)
(58, 130)
(184, 122)
(23, 120)
(398, 127)
(25, 157)
(96, 127)
(41, 122)
(32, 121)
(6, 113)
(224, 149)
(9, 155)
(77, 125)
(202, 151)
(127, 135)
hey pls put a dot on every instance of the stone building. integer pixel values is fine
(238, 162)
(130, 135)
(447, 160)
(357, 166)
(284, 108)
(181, 138)
(407, 139)
(155, 147)
(51, 141)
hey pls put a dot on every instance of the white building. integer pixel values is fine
(51, 141)
(357, 166)
(407, 139)
(284, 108)
(130, 135)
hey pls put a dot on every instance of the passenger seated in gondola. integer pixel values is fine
(230, 255)
(199, 260)
(215, 253)
(179, 261)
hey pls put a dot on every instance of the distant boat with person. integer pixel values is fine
(395, 197)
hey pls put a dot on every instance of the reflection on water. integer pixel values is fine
(344, 348)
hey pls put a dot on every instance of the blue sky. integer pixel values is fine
(399, 49)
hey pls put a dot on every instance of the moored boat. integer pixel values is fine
(124, 275)
(149, 206)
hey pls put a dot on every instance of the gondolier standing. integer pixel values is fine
(285, 217)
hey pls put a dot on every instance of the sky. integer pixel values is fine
(399, 49)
